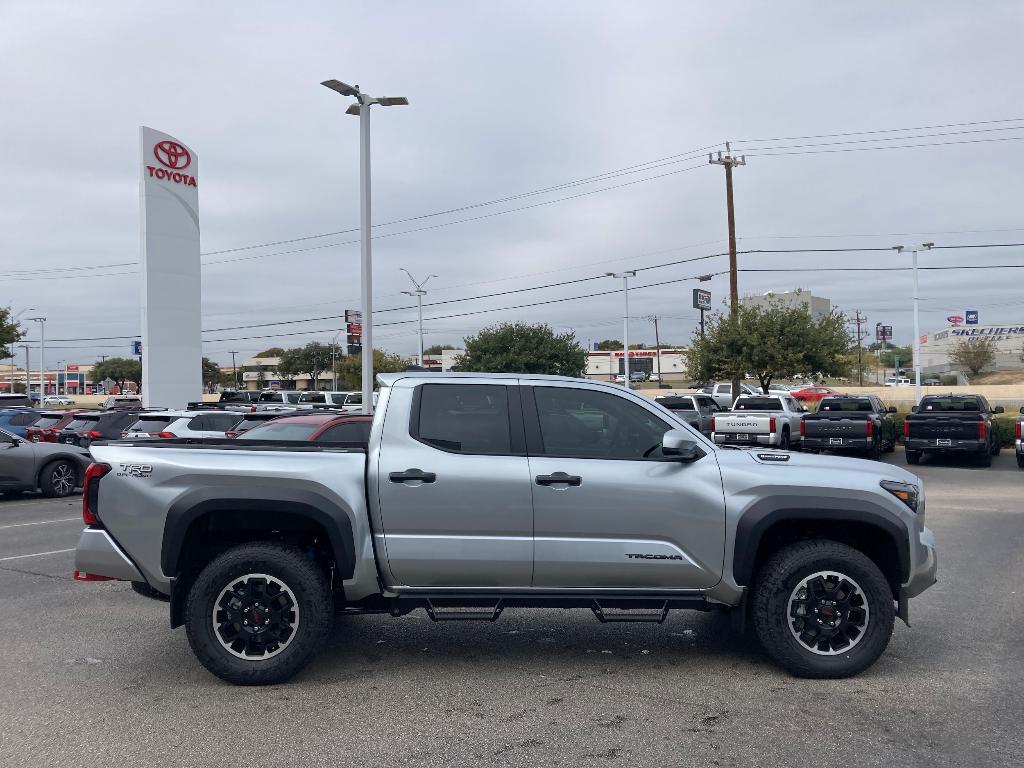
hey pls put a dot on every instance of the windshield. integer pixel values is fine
(758, 404)
(280, 431)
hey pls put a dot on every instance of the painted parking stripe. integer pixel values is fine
(37, 554)
(40, 522)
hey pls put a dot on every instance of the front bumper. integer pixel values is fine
(955, 446)
(97, 554)
(923, 575)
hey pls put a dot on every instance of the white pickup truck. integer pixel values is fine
(759, 420)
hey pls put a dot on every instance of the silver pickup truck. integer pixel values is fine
(768, 420)
(480, 492)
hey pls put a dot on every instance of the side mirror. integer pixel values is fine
(678, 444)
(891, 409)
(913, 409)
(1022, 409)
(998, 409)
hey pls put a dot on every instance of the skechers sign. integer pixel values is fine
(175, 158)
(995, 332)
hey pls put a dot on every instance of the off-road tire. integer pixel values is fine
(779, 577)
(142, 588)
(287, 564)
(1020, 460)
(58, 479)
(984, 459)
(890, 447)
(784, 444)
(913, 457)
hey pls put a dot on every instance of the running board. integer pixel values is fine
(456, 612)
(607, 614)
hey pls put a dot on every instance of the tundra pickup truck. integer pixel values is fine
(772, 420)
(857, 423)
(696, 410)
(482, 492)
(952, 424)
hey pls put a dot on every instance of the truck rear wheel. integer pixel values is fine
(913, 457)
(822, 609)
(258, 613)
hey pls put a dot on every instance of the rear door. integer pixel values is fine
(453, 485)
(609, 512)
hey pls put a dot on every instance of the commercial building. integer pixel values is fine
(937, 347)
(606, 365)
(70, 380)
(818, 306)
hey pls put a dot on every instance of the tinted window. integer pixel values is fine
(676, 403)
(199, 423)
(280, 431)
(313, 397)
(150, 424)
(354, 398)
(249, 423)
(588, 424)
(235, 397)
(24, 419)
(351, 432)
(758, 404)
(221, 422)
(81, 423)
(271, 397)
(291, 397)
(46, 422)
(725, 389)
(468, 418)
(845, 405)
(950, 404)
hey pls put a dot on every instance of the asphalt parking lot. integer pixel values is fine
(92, 675)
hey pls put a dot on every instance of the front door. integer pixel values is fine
(609, 511)
(454, 488)
(17, 461)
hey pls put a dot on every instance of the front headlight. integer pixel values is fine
(908, 493)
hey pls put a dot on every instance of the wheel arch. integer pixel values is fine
(765, 528)
(71, 458)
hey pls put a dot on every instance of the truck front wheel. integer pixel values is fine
(822, 609)
(258, 613)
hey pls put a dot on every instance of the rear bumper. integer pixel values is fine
(815, 442)
(97, 554)
(955, 446)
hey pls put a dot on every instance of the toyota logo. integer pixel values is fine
(172, 154)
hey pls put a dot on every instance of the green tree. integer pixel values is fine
(437, 349)
(770, 342)
(120, 370)
(211, 374)
(350, 368)
(974, 354)
(311, 360)
(10, 333)
(609, 345)
(272, 352)
(523, 348)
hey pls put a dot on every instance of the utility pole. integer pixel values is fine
(729, 162)
(419, 293)
(234, 368)
(625, 321)
(857, 319)
(657, 345)
(28, 385)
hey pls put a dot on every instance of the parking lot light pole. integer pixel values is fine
(362, 109)
(42, 357)
(625, 321)
(917, 325)
(419, 293)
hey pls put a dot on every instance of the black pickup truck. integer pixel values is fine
(952, 424)
(850, 423)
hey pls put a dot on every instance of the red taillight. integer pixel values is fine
(871, 428)
(253, 409)
(1016, 431)
(231, 433)
(712, 423)
(771, 424)
(906, 428)
(165, 435)
(803, 428)
(982, 430)
(91, 491)
(94, 434)
(80, 576)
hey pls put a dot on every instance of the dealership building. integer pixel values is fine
(937, 347)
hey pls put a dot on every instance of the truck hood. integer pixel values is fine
(815, 470)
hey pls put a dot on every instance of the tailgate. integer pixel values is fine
(945, 427)
(746, 424)
(845, 426)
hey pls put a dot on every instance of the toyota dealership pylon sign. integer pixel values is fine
(171, 280)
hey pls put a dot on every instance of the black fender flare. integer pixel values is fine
(327, 513)
(762, 515)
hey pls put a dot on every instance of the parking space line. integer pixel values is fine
(37, 554)
(40, 522)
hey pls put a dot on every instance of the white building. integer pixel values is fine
(1009, 340)
(818, 307)
(606, 365)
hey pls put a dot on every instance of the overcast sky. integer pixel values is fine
(509, 98)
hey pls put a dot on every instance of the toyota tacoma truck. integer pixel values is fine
(478, 493)
(768, 420)
(850, 423)
(952, 425)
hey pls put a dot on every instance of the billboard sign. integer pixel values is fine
(955, 320)
(171, 280)
(701, 299)
(972, 316)
(883, 332)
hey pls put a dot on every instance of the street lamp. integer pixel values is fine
(419, 293)
(917, 326)
(42, 356)
(362, 109)
(625, 320)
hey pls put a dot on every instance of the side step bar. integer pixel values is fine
(654, 615)
(489, 607)
(462, 612)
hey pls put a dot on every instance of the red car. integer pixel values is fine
(331, 427)
(49, 424)
(813, 394)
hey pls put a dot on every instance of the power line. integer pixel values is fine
(759, 153)
(893, 138)
(889, 130)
